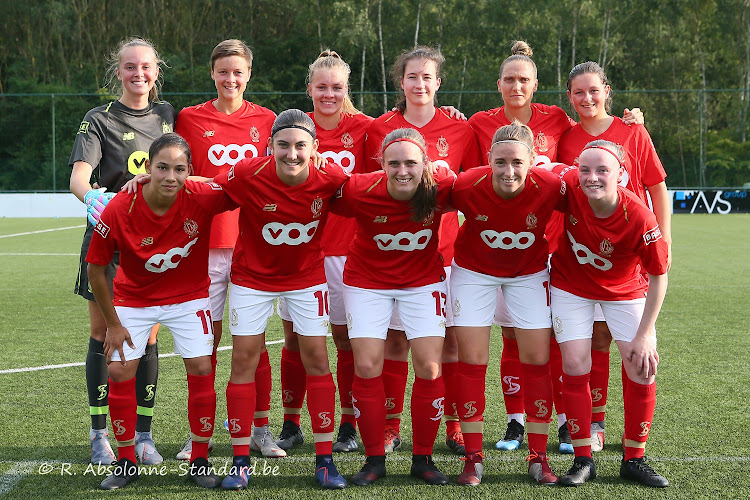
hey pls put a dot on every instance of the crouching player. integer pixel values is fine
(161, 232)
(610, 237)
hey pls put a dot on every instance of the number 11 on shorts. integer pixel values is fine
(205, 316)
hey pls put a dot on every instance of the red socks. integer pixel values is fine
(368, 397)
(262, 391)
(599, 384)
(344, 378)
(321, 403)
(510, 373)
(427, 408)
(556, 373)
(122, 411)
(201, 412)
(538, 402)
(394, 383)
(639, 403)
(578, 399)
(452, 425)
(292, 384)
(471, 402)
(240, 407)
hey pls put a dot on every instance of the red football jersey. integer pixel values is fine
(450, 143)
(555, 224)
(344, 145)
(163, 259)
(603, 259)
(500, 237)
(548, 123)
(643, 167)
(391, 251)
(279, 244)
(218, 141)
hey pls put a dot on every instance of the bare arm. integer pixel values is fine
(117, 334)
(642, 350)
(80, 179)
(663, 212)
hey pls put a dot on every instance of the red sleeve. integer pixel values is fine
(345, 199)
(472, 157)
(373, 143)
(211, 196)
(653, 170)
(103, 245)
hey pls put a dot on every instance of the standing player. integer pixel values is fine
(590, 94)
(397, 210)
(501, 245)
(161, 232)
(341, 130)
(517, 84)
(221, 132)
(453, 145)
(610, 239)
(111, 147)
(283, 202)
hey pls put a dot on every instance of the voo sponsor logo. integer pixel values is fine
(344, 158)
(586, 256)
(404, 241)
(219, 154)
(507, 240)
(276, 233)
(160, 262)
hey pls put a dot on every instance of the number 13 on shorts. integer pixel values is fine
(440, 300)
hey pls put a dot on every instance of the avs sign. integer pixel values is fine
(710, 201)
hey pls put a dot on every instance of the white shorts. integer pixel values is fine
(502, 315)
(334, 267)
(475, 298)
(396, 323)
(219, 267)
(190, 323)
(574, 316)
(250, 309)
(422, 310)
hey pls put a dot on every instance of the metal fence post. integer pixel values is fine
(701, 153)
(54, 145)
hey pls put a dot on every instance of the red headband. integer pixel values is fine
(406, 139)
(607, 150)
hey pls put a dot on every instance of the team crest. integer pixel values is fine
(165, 128)
(254, 134)
(429, 219)
(557, 325)
(347, 140)
(573, 220)
(84, 128)
(190, 227)
(531, 221)
(442, 146)
(605, 248)
(540, 142)
(234, 317)
(317, 207)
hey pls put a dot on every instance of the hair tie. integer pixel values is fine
(301, 127)
(406, 139)
(607, 150)
(515, 142)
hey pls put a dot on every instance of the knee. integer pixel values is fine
(576, 365)
(368, 368)
(428, 369)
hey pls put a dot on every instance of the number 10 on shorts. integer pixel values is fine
(322, 302)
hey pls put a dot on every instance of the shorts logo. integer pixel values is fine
(349, 321)
(542, 410)
(652, 235)
(645, 426)
(149, 392)
(316, 207)
(347, 140)
(606, 248)
(574, 428)
(531, 221)
(207, 425)
(404, 240)
(137, 162)
(234, 317)
(288, 396)
(102, 391)
(586, 256)
(596, 395)
(190, 227)
(513, 386)
(147, 241)
(254, 134)
(345, 159)
(470, 409)
(389, 404)
(357, 413)
(276, 233)
(482, 218)
(208, 133)
(324, 420)
(507, 240)
(438, 405)
(128, 136)
(160, 262)
(231, 154)
(380, 219)
(557, 325)
(119, 429)
(165, 128)
(84, 128)
(234, 425)
(442, 146)
(270, 207)
(456, 308)
(102, 229)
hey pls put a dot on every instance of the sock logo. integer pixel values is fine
(288, 396)
(645, 426)
(389, 404)
(119, 429)
(542, 410)
(234, 425)
(207, 424)
(354, 407)
(149, 392)
(596, 395)
(513, 386)
(102, 392)
(574, 429)
(351, 396)
(438, 405)
(470, 409)
(324, 420)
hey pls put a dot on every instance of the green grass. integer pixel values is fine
(700, 439)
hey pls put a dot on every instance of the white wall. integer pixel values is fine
(41, 205)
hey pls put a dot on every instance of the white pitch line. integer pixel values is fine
(41, 231)
(69, 365)
(5, 254)
(17, 472)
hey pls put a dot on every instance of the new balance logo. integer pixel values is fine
(128, 136)
(270, 207)
(208, 133)
(147, 241)
(482, 218)
(380, 219)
